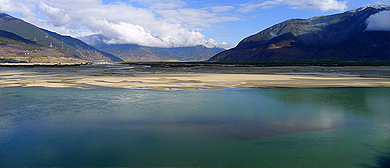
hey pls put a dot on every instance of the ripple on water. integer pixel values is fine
(224, 127)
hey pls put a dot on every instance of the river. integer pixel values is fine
(325, 127)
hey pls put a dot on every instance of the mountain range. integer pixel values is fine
(341, 37)
(346, 37)
(134, 52)
(66, 45)
(19, 38)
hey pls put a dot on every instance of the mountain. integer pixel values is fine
(134, 52)
(64, 44)
(4, 35)
(340, 37)
(12, 45)
(14, 48)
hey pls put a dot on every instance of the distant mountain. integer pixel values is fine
(64, 44)
(134, 52)
(339, 37)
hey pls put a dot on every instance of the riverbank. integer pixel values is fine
(194, 78)
(41, 64)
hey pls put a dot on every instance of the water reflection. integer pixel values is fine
(369, 102)
(382, 161)
(121, 127)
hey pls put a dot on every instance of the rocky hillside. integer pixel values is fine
(63, 44)
(14, 48)
(339, 37)
(134, 52)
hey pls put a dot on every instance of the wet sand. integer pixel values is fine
(194, 78)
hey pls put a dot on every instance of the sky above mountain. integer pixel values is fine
(171, 23)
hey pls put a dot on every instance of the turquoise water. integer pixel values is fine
(345, 127)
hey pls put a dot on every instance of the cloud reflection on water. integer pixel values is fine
(121, 123)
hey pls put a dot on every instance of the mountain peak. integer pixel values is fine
(316, 39)
(380, 7)
(64, 44)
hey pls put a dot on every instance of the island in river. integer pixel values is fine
(193, 77)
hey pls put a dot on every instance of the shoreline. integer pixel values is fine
(194, 78)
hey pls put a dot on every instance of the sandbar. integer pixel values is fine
(194, 78)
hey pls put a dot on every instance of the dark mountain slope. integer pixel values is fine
(340, 37)
(66, 44)
(11, 36)
(14, 48)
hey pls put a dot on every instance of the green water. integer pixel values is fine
(339, 127)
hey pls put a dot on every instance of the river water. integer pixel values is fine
(46, 127)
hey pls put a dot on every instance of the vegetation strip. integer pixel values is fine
(257, 64)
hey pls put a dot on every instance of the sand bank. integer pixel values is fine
(193, 78)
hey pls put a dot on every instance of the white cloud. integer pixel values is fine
(323, 5)
(23, 7)
(379, 22)
(58, 17)
(213, 43)
(158, 23)
(220, 9)
(326, 5)
(273, 35)
(163, 23)
(162, 4)
(194, 17)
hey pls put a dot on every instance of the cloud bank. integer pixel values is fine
(379, 22)
(155, 23)
(164, 26)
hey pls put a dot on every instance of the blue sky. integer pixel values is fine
(171, 23)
